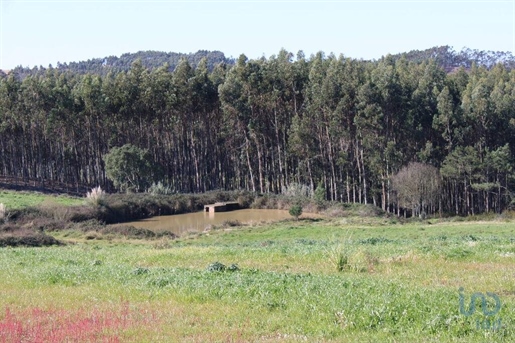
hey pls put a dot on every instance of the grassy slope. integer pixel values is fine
(400, 282)
(17, 200)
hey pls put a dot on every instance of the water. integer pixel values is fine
(199, 221)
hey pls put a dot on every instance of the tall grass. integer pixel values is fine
(96, 196)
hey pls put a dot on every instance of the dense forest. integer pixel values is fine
(361, 129)
(114, 64)
(444, 56)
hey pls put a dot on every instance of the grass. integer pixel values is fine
(398, 283)
(354, 276)
(14, 200)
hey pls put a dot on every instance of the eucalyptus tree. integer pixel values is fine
(312, 121)
(235, 95)
(380, 123)
(88, 94)
(10, 135)
(204, 127)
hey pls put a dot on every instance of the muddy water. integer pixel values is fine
(199, 221)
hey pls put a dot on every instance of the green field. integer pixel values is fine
(347, 279)
(17, 200)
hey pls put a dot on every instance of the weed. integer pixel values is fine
(339, 254)
(140, 271)
(220, 267)
(216, 267)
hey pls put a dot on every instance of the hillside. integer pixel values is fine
(445, 57)
(149, 59)
(450, 60)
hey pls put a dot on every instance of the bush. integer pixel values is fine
(26, 237)
(159, 189)
(87, 226)
(268, 201)
(296, 211)
(245, 199)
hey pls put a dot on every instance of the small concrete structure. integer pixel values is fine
(221, 207)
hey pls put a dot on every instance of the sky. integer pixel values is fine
(39, 32)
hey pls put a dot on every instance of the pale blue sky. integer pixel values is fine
(40, 32)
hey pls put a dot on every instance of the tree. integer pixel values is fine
(320, 194)
(418, 187)
(130, 168)
(459, 169)
(296, 211)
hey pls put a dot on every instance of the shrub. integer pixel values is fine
(87, 226)
(159, 189)
(26, 237)
(296, 211)
(245, 199)
(82, 213)
(268, 201)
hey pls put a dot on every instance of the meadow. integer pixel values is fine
(352, 279)
(20, 200)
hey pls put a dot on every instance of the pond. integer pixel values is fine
(199, 221)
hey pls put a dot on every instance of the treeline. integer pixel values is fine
(449, 59)
(444, 56)
(347, 125)
(114, 64)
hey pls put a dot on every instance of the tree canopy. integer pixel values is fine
(346, 125)
(130, 168)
